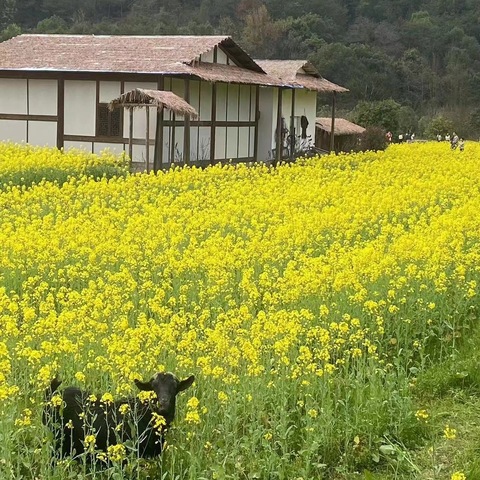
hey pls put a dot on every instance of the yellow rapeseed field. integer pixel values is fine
(304, 299)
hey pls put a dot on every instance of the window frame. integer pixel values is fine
(110, 123)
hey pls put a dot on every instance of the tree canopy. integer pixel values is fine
(422, 54)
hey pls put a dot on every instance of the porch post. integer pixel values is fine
(279, 146)
(158, 152)
(257, 118)
(214, 123)
(332, 130)
(292, 127)
(130, 133)
(186, 126)
(147, 138)
(172, 145)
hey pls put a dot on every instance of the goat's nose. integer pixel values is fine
(164, 401)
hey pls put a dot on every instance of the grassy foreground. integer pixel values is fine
(322, 306)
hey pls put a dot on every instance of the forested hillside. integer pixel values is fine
(422, 54)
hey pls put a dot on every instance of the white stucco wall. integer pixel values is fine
(221, 57)
(221, 103)
(246, 111)
(220, 140)
(306, 104)
(244, 149)
(42, 97)
(42, 133)
(13, 96)
(139, 154)
(200, 143)
(266, 123)
(139, 114)
(87, 146)
(205, 101)
(178, 141)
(109, 91)
(232, 143)
(13, 131)
(116, 148)
(80, 107)
(207, 56)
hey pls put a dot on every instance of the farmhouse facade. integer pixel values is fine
(56, 89)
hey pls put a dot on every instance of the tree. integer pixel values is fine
(260, 33)
(373, 138)
(11, 31)
(407, 119)
(417, 78)
(367, 72)
(53, 24)
(7, 13)
(384, 114)
(439, 125)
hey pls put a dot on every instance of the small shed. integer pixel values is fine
(346, 134)
(138, 98)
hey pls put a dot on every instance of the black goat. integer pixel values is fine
(83, 423)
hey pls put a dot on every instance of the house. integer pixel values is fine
(56, 90)
(346, 134)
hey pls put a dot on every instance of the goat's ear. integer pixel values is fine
(55, 383)
(184, 384)
(143, 385)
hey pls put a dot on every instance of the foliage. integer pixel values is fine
(384, 114)
(373, 138)
(424, 54)
(439, 125)
(10, 31)
(306, 299)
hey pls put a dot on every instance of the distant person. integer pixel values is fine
(461, 144)
(454, 142)
(439, 138)
(412, 137)
(447, 137)
(400, 138)
(389, 136)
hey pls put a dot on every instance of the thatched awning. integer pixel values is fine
(342, 126)
(300, 73)
(160, 99)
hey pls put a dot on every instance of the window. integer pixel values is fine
(109, 122)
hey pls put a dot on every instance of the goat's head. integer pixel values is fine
(166, 386)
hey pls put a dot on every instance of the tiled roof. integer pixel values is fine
(103, 53)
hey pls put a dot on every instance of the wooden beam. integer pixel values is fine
(147, 138)
(292, 127)
(214, 123)
(130, 134)
(158, 152)
(172, 143)
(332, 130)
(257, 118)
(186, 128)
(60, 112)
(27, 117)
(279, 146)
